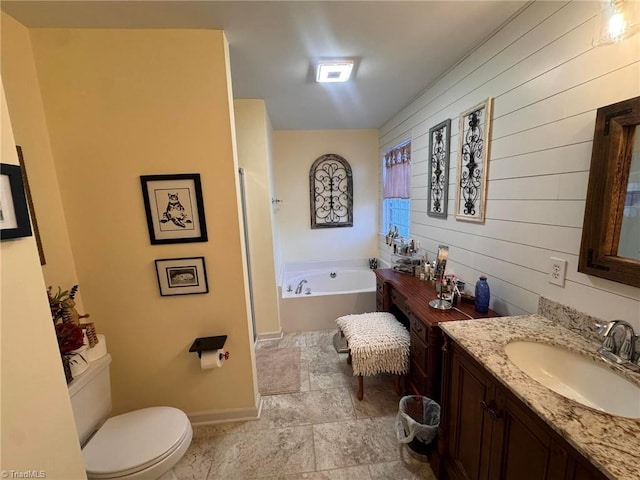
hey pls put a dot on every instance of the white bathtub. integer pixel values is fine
(325, 297)
(329, 282)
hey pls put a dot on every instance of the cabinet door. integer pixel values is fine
(469, 431)
(383, 303)
(491, 435)
(417, 374)
(580, 469)
(523, 451)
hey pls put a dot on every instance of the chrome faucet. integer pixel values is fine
(299, 287)
(620, 352)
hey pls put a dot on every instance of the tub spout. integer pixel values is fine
(299, 287)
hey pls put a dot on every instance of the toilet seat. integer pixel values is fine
(132, 445)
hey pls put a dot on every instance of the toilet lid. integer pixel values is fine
(134, 441)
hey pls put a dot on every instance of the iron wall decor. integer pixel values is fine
(439, 144)
(14, 214)
(174, 208)
(331, 192)
(34, 220)
(181, 276)
(473, 162)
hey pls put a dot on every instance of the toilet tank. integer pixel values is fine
(90, 394)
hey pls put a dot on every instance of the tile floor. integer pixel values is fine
(322, 432)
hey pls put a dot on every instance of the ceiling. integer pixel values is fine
(402, 47)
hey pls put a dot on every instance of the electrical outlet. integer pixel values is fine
(557, 271)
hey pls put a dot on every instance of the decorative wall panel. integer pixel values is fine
(331, 192)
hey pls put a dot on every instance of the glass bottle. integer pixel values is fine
(483, 294)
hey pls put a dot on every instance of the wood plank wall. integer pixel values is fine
(547, 82)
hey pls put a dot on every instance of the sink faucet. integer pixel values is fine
(625, 351)
(299, 287)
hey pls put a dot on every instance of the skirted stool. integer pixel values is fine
(378, 343)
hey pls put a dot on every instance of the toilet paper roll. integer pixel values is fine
(99, 351)
(212, 359)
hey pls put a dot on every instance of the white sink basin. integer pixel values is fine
(576, 377)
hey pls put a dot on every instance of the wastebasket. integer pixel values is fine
(417, 423)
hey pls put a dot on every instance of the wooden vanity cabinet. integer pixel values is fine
(383, 302)
(487, 433)
(408, 299)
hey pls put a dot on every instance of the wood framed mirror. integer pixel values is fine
(611, 231)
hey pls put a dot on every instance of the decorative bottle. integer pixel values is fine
(483, 295)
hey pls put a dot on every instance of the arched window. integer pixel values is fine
(331, 192)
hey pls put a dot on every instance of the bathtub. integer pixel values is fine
(330, 282)
(331, 290)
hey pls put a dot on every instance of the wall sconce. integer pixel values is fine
(617, 20)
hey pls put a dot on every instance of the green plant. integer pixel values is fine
(57, 302)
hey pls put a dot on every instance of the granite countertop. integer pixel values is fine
(611, 443)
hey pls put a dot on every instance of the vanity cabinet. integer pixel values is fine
(408, 299)
(487, 433)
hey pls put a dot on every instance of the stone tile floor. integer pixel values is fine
(322, 432)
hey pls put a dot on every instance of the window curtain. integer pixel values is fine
(397, 182)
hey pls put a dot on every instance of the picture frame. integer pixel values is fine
(174, 208)
(14, 213)
(181, 276)
(438, 185)
(32, 211)
(473, 162)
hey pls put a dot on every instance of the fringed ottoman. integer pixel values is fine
(378, 343)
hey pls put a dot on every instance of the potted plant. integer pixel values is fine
(69, 333)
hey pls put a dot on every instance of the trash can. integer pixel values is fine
(340, 342)
(417, 424)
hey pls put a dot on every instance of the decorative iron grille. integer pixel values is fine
(473, 162)
(439, 141)
(331, 192)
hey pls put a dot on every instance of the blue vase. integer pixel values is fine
(483, 294)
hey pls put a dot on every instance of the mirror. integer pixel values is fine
(611, 231)
(441, 265)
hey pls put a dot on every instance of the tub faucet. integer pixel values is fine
(299, 287)
(627, 349)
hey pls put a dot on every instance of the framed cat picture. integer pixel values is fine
(181, 276)
(174, 208)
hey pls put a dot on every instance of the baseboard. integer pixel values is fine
(226, 415)
(269, 336)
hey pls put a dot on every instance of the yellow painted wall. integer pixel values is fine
(253, 140)
(275, 230)
(38, 432)
(30, 131)
(125, 103)
(294, 153)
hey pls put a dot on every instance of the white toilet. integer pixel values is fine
(140, 445)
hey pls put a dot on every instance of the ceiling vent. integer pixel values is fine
(334, 70)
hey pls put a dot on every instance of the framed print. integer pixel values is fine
(438, 186)
(14, 214)
(181, 276)
(174, 208)
(473, 162)
(32, 211)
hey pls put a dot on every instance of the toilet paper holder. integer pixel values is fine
(204, 344)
